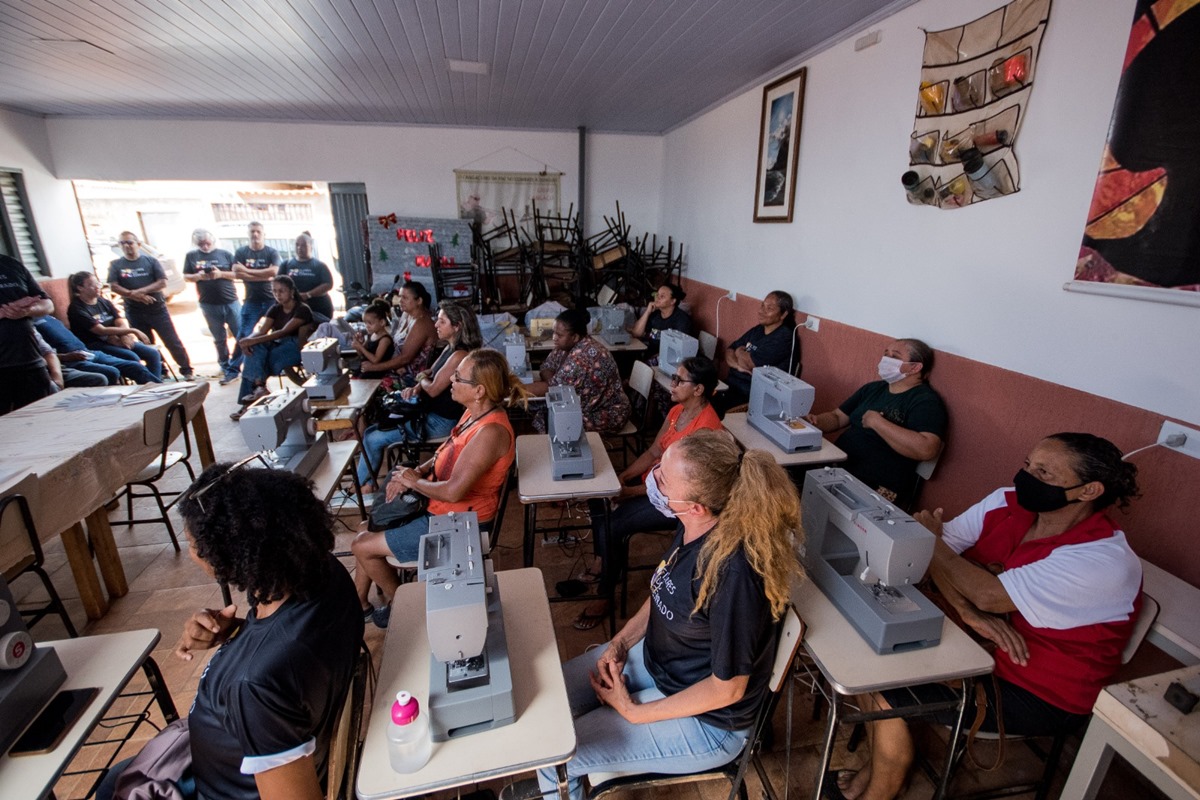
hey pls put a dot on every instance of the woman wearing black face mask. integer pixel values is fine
(1042, 571)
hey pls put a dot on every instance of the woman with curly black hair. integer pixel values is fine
(268, 699)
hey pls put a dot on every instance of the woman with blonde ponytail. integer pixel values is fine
(676, 689)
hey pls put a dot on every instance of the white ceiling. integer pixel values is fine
(611, 65)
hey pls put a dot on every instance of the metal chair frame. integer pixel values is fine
(34, 563)
(165, 463)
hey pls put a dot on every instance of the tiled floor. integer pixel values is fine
(167, 587)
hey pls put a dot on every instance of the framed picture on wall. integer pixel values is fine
(778, 147)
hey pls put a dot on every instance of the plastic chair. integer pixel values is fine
(923, 472)
(708, 345)
(633, 433)
(32, 561)
(174, 424)
(1041, 788)
(791, 631)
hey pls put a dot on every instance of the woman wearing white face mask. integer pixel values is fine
(891, 424)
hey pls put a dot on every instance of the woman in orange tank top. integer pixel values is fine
(465, 474)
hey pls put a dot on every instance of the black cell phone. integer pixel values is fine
(53, 723)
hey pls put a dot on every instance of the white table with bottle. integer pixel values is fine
(543, 734)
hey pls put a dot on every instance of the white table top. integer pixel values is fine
(542, 735)
(361, 392)
(1177, 629)
(325, 476)
(106, 661)
(83, 456)
(852, 667)
(753, 439)
(534, 481)
(1137, 711)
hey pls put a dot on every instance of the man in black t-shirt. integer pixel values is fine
(211, 269)
(312, 278)
(23, 374)
(254, 265)
(140, 279)
(892, 424)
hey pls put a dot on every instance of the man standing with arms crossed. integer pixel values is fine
(255, 265)
(139, 280)
(211, 269)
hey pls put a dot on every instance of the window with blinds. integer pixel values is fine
(18, 236)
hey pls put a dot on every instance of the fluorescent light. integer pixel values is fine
(473, 67)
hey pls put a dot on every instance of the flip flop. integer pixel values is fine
(830, 788)
(586, 621)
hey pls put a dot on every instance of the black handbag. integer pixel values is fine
(395, 410)
(406, 507)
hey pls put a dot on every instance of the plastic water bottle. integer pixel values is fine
(409, 743)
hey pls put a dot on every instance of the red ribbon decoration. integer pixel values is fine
(387, 221)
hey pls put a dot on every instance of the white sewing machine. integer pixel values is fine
(570, 453)
(516, 353)
(778, 403)
(470, 681)
(673, 347)
(609, 324)
(866, 555)
(281, 426)
(322, 358)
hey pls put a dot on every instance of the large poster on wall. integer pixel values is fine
(1143, 227)
(481, 195)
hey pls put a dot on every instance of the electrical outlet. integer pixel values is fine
(813, 324)
(732, 295)
(1191, 444)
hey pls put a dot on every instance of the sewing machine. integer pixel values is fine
(674, 347)
(470, 681)
(29, 675)
(609, 324)
(517, 355)
(322, 358)
(570, 453)
(280, 425)
(866, 555)
(778, 403)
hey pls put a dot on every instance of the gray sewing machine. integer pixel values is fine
(866, 555)
(673, 347)
(29, 675)
(609, 322)
(778, 403)
(322, 358)
(570, 453)
(470, 682)
(280, 425)
(517, 355)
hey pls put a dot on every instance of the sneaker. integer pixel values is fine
(228, 378)
(381, 616)
(260, 391)
(237, 415)
(187, 376)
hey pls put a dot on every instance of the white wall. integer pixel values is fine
(984, 281)
(23, 147)
(407, 170)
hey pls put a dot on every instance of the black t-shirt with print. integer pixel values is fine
(308, 275)
(772, 349)
(679, 320)
(138, 274)
(83, 317)
(218, 291)
(257, 259)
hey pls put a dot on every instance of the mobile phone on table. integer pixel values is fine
(53, 723)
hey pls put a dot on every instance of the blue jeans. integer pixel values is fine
(405, 540)
(93, 375)
(137, 353)
(376, 440)
(222, 316)
(605, 742)
(252, 312)
(267, 359)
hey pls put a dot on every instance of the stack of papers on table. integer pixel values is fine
(156, 391)
(103, 397)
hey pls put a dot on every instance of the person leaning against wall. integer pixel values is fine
(892, 424)
(770, 343)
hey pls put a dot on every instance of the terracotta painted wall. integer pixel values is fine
(996, 416)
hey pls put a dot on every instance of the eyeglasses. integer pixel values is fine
(676, 380)
(456, 378)
(124, 242)
(196, 494)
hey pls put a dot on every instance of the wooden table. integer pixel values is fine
(82, 458)
(751, 438)
(543, 734)
(1133, 720)
(852, 668)
(107, 661)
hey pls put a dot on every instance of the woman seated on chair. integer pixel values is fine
(677, 688)
(662, 314)
(100, 326)
(771, 343)
(581, 362)
(692, 388)
(414, 335)
(275, 344)
(268, 700)
(1040, 570)
(458, 327)
(465, 474)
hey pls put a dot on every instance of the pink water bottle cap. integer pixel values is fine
(405, 709)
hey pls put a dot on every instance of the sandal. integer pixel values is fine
(586, 621)
(830, 788)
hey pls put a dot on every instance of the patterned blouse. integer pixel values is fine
(591, 370)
